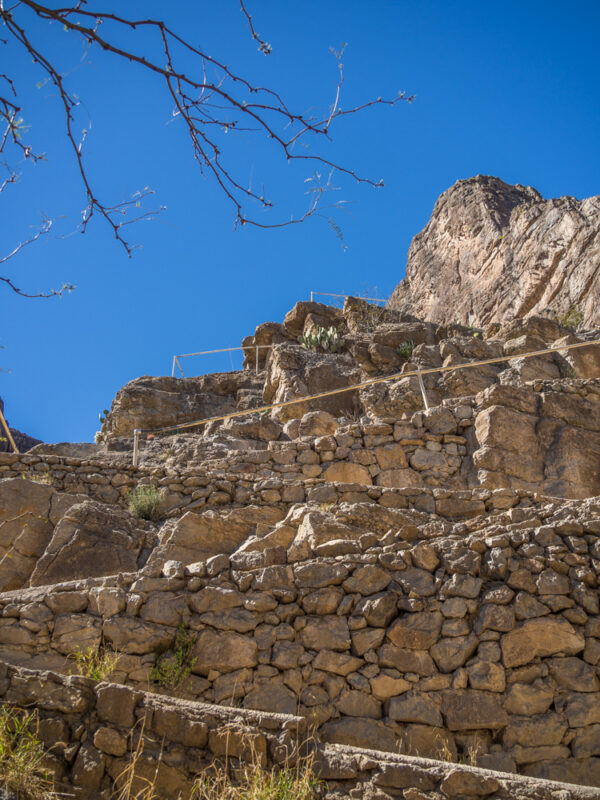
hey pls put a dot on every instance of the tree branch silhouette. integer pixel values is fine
(209, 98)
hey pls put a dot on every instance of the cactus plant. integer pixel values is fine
(326, 340)
(405, 350)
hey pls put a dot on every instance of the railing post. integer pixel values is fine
(173, 367)
(311, 296)
(257, 359)
(136, 446)
(8, 433)
(423, 392)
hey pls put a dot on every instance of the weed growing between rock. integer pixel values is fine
(95, 663)
(295, 779)
(22, 755)
(36, 477)
(174, 665)
(144, 501)
(572, 319)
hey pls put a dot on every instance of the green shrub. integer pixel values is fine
(22, 756)
(174, 664)
(405, 350)
(572, 319)
(145, 500)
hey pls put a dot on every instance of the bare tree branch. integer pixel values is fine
(263, 46)
(211, 101)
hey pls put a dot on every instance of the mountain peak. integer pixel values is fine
(493, 251)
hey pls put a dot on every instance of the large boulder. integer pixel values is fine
(315, 314)
(91, 540)
(25, 528)
(293, 372)
(545, 441)
(198, 536)
(265, 335)
(150, 403)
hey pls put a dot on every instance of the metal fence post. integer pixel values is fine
(136, 446)
(257, 359)
(423, 392)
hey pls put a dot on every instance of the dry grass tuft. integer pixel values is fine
(96, 663)
(295, 779)
(227, 778)
(129, 784)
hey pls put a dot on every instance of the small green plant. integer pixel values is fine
(324, 339)
(405, 350)
(95, 662)
(102, 417)
(173, 665)
(21, 756)
(144, 501)
(572, 319)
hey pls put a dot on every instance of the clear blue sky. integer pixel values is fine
(503, 88)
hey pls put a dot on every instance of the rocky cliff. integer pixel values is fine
(492, 252)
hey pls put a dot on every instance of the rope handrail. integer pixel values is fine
(371, 382)
(223, 350)
(366, 299)
(8, 432)
(257, 346)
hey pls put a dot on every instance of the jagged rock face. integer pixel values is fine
(492, 251)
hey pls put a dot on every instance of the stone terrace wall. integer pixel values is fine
(480, 637)
(544, 436)
(403, 455)
(91, 729)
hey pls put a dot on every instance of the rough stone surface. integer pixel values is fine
(457, 265)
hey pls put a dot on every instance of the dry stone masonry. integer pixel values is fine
(428, 636)
(416, 587)
(93, 729)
